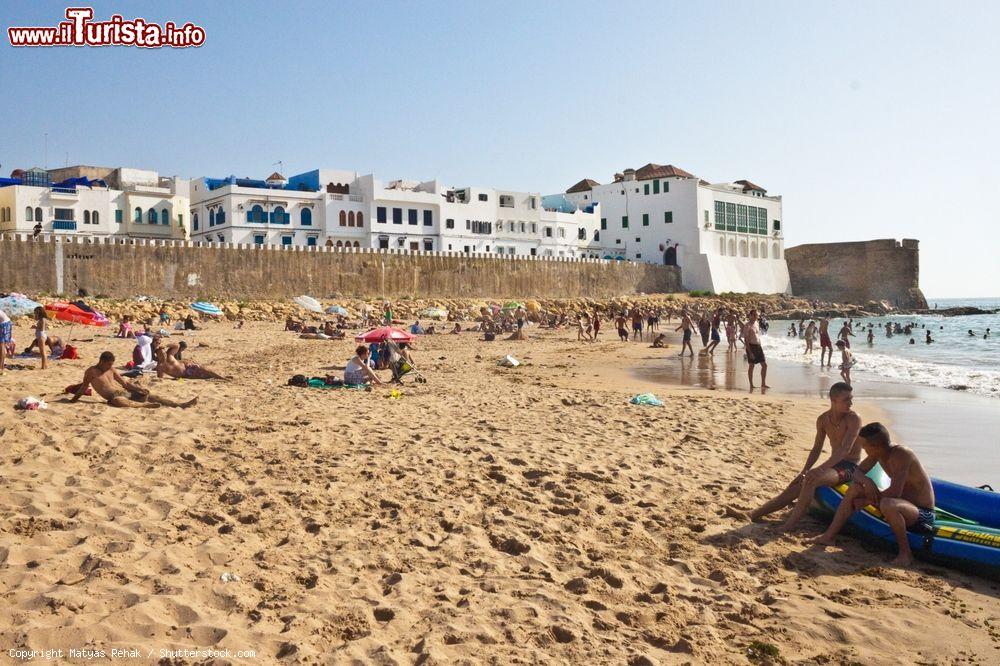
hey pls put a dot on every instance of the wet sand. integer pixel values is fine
(956, 434)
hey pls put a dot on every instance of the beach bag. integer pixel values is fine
(69, 352)
(298, 380)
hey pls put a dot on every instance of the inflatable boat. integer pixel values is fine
(966, 528)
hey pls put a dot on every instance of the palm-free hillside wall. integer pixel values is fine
(178, 269)
(858, 272)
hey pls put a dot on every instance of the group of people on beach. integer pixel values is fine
(907, 503)
(737, 330)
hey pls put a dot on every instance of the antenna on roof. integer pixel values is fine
(281, 167)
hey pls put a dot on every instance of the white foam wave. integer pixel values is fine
(872, 365)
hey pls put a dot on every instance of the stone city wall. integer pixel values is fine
(180, 269)
(858, 272)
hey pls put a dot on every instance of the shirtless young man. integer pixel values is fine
(687, 327)
(168, 364)
(825, 344)
(840, 424)
(755, 352)
(120, 393)
(907, 504)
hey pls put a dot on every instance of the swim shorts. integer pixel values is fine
(715, 335)
(6, 331)
(687, 335)
(824, 340)
(845, 470)
(755, 354)
(925, 521)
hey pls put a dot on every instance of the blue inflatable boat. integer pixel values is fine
(966, 529)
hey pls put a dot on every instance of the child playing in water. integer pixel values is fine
(847, 361)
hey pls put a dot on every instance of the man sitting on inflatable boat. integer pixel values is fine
(840, 424)
(908, 503)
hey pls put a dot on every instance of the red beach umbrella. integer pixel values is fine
(384, 333)
(75, 314)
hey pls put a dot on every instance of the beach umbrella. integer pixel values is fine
(384, 333)
(309, 303)
(203, 307)
(512, 305)
(336, 310)
(17, 305)
(75, 314)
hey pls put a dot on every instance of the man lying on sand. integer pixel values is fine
(907, 504)
(120, 393)
(168, 364)
(840, 424)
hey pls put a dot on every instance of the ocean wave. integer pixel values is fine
(875, 366)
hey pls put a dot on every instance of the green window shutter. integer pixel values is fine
(604, 223)
(666, 186)
(656, 187)
(730, 216)
(762, 220)
(624, 221)
(720, 215)
(645, 188)
(668, 216)
(645, 219)
(741, 218)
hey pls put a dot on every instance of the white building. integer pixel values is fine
(128, 203)
(341, 208)
(725, 237)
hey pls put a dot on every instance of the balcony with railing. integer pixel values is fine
(63, 225)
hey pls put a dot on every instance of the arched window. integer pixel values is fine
(360, 220)
(278, 216)
(255, 214)
(306, 217)
(138, 215)
(597, 234)
(151, 216)
(753, 250)
(581, 234)
(29, 214)
(722, 246)
(165, 216)
(86, 217)
(329, 242)
(743, 248)
(194, 222)
(211, 217)
(94, 218)
(220, 216)
(38, 214)
(763, 249)
(357, 244)
(732, 247)
(776, 251)
(340, 243)
(343, 220)
(350, 219)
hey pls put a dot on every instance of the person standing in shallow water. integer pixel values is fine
(755, 352)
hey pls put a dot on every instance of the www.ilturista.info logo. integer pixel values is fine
(80, 30)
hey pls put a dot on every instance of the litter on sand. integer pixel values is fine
(509, 362)
(646, 399)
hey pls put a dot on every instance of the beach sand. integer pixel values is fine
(491, 515)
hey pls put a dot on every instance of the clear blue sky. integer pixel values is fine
(873, 120)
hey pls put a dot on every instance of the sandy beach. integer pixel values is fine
(491, 515)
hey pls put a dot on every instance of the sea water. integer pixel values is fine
(954, 360)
